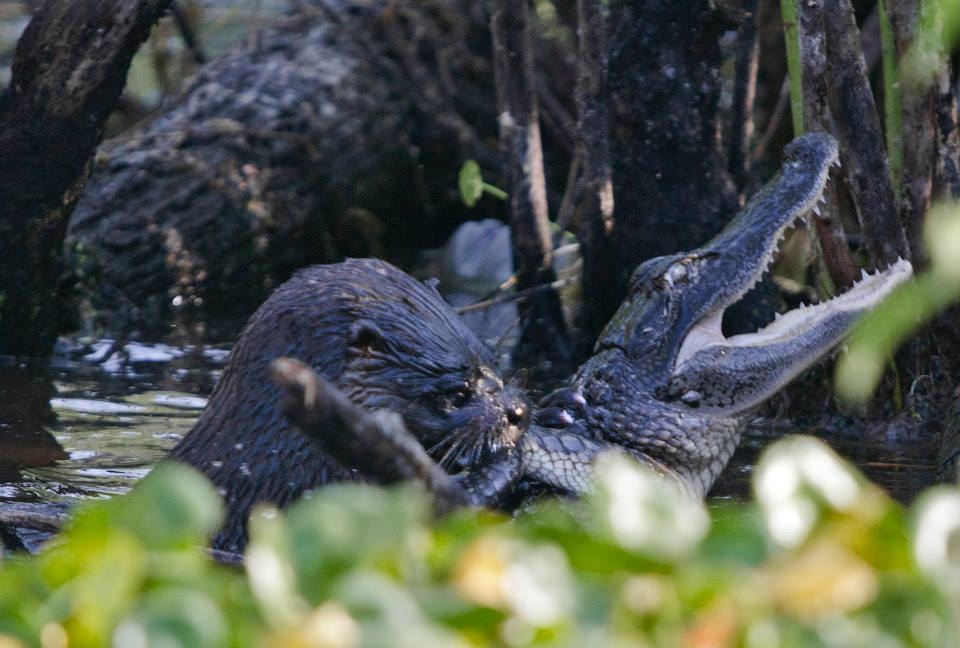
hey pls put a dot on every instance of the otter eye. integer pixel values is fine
(460, 397)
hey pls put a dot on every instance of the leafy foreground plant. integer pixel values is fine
(823, 558)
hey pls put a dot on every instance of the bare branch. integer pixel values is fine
(377, 445)
(517, 106)
(744, 93)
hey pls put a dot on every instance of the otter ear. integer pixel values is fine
(366, 336)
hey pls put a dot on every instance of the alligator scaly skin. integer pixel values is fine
(664, 385)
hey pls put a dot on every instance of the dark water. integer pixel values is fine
(93, 421)
(902, 462)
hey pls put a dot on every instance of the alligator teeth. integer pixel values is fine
(802, 319)
(816, 210)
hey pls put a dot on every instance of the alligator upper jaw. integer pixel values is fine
(735, 374)
(736, 259)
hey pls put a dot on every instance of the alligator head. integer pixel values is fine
(664, 383)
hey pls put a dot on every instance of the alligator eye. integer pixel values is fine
(676, 273)
(691, 398)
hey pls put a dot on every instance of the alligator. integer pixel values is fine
(663, 383)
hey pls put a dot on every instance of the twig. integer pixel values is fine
(773, 124)
(559, 284)
(376, 444)
(187, 34)
(25, 516)
(571, 192)
(744, 93)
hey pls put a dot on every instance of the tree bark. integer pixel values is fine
(672, 188)
(839, 262)
(542, 324)
(861, 137)
(948, 150)
(68, 71)
(593, 131)
(918, 99)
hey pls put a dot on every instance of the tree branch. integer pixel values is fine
(68, 71)
(377, 445)
(839, 262)
(542, 320)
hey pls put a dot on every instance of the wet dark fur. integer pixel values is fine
(388, 341)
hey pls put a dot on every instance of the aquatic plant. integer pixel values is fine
(823, 558)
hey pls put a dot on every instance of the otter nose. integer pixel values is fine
(517, 410)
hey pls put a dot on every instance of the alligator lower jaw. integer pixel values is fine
(861, 297)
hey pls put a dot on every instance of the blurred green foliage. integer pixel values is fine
(881, 332)
(823, 559)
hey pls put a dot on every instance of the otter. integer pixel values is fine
(387, 341)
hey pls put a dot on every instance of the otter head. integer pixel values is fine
(422, 362)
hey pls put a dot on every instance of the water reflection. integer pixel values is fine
(92, 421)
(898, 455)
(25, 419)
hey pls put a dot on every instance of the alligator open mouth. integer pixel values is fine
(740, 371)
(861, 297)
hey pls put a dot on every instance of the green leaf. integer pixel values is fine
(172, 507)
(881, 331)
(174, 617)
(879, 334)
(470, 182)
